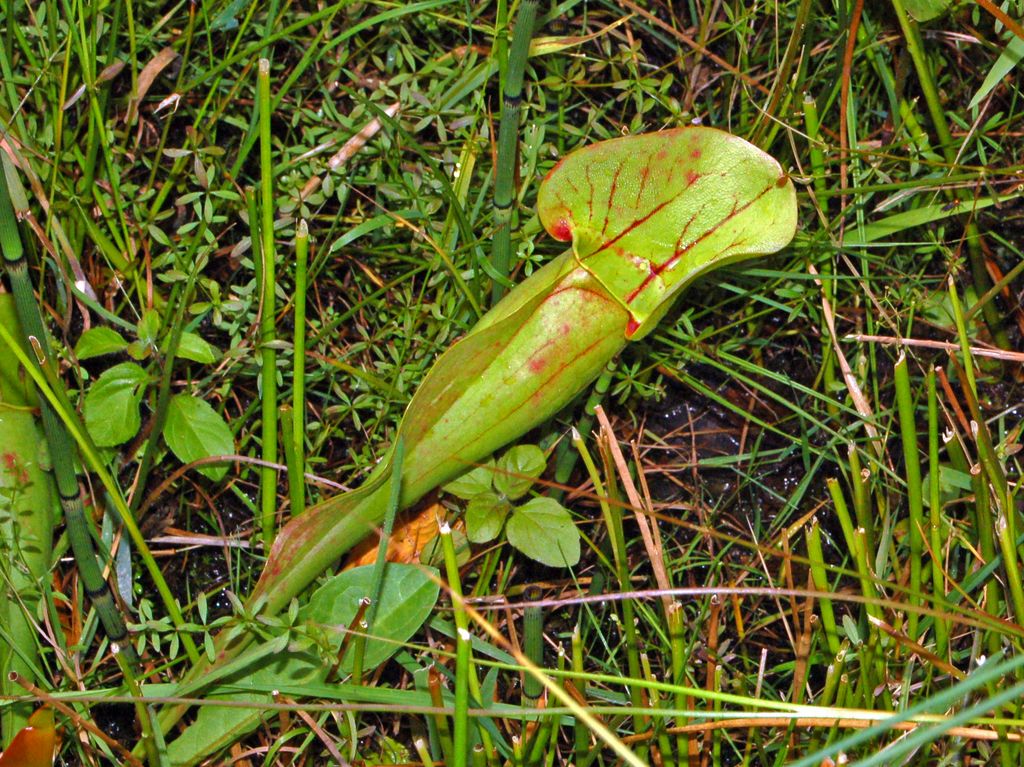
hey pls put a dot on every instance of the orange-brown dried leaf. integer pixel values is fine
(34, 745)
(411, 533)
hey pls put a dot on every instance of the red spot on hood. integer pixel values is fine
(561, 230)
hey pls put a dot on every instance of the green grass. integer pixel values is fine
(832, 464)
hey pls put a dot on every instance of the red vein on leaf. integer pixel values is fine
(637, 223)
(611, 197)
(644, 175)
(659, 269)
(590, 189)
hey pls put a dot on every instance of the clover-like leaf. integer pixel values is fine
(648, 214)
(543, 530)
(472, 483)
(485, 515)
(518, 469)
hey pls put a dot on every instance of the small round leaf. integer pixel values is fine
(544, 531)
(518, 469)
(471, 483)
(485, 514)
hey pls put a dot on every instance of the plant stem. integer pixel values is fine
(935, 524)
(96, 587)
(856, 541)
(1003, 501)
(628, 623)
(580, 740)
(179, 300)
(812, 124)
(297, 463)
(566, 453)
(442, 726)
(915, 495)
(765, 126)
(677, 641)
(533, 644)
(816, 557)
(463, 658)
(380, 565)
(861, 494)
(268, 377)
(1005, 524)
(612, 515)
(664, 745)
(508, 146)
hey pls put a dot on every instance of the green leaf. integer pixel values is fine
(227, 19)
(112, 404)
(195, 430)
(883, 228)
(98, 341)
(517, 470)
(850, 627)
(138, 350)
(472, 483)
(485, 514)
(648, 214)
(408, 595)
(1007, 60)
(217, 727)
(391, 751)
(193, 347)
(159, 235)
(924, 10)
(952, 484)
(543, 530)
(149, 327)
